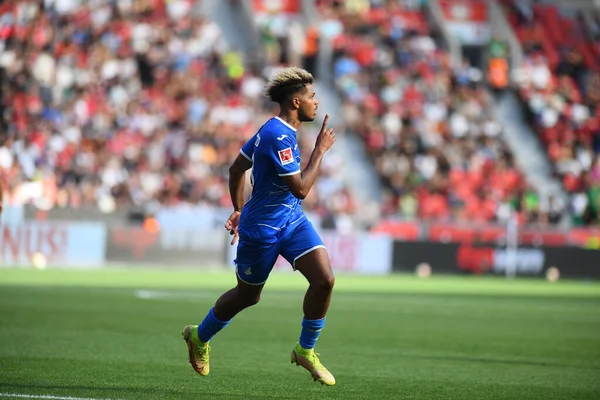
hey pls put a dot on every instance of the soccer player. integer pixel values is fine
(272, 222)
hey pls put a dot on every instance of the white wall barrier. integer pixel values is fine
(169, 247)
(77, 244)
(363, 253)
(202, 218)
(90, 245)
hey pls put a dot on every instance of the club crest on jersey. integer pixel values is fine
(285, 156)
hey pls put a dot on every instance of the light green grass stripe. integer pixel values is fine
(220, 279)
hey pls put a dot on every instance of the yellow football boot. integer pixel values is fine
(309, 360)
(198, 351)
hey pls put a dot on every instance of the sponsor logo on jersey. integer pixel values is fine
(285, 156)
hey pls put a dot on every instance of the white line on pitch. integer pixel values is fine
(188, 296)
(47, 396)
(163, 294)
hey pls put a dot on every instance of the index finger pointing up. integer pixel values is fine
(325, 120)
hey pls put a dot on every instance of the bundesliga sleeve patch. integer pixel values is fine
(286, 156)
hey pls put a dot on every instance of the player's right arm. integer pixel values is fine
(300, 184)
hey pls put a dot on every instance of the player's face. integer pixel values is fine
(308, 105)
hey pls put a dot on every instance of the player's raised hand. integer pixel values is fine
(326, 137)
(232, 225)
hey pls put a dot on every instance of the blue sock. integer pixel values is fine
(311, 328)
(210, 326)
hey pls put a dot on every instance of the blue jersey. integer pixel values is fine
(274, 153)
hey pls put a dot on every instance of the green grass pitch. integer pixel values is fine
(116, 334)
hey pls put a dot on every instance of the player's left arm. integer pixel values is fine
(237, 173)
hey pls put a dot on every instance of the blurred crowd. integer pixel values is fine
(112, 103)
(109, 103)
(427, 125)
(559, 85)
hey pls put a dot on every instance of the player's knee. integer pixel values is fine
(325, 283)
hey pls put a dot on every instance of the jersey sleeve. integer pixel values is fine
(282, 155)
(247, 149)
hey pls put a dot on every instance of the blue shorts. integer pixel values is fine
(255, 260)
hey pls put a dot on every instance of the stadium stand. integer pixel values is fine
(427, 127)
(559, 85)
(110, 104)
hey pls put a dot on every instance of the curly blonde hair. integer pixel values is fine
(286, 82)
